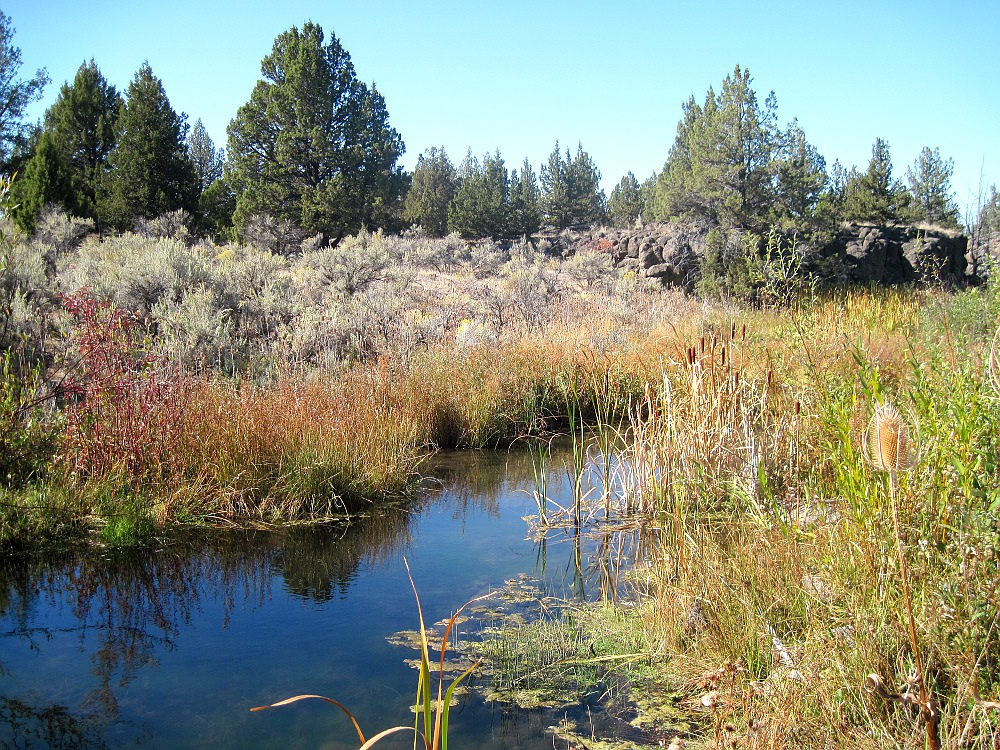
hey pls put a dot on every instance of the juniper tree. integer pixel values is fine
(83, 120)
(432, 189)
(149, 172)
(313, 145)
(46, 179)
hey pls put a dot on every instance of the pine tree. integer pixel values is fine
(930, 187)
(83, 120)
(481, 207)
(150, 172)
(313, 146)
(801, 179)
(721, 165)
(571, 193)
(431, 191)
(525, 206)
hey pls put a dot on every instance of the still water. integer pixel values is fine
(171, 647)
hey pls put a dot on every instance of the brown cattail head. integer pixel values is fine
(723, 356)
(732, 331)
(702, 344)
(744, 335)
(886, 442)
(798, 408)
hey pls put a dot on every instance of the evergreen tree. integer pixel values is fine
(431, 191)
(150, 172)
(930, 187)
(207, 160)
(525, 202)
(626, 203)
(801, 179)
(874, 196)
(721, 166)
(313, 145)
(15, 98)
(83, 120)
(481, 207)
(571, 193)
(46, 179)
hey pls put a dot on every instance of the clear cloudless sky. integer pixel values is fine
(518, 75)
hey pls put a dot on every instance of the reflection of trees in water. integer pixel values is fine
(52, 727)
(130, 606)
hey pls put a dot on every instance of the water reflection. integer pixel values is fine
(170, 646)
(128, 608)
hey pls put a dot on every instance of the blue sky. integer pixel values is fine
(516, 76)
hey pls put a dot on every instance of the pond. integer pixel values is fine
(170, 647)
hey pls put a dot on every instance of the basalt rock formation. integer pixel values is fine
(862, 254)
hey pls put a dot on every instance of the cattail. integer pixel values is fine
(886, 442)
(702, 344)
(732, 331)
(723, 356)
(798, 408)
(744, 335)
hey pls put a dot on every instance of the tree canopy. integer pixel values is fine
(432, 188)
(571, 192)
(929, 181)
(15, 96)
(83, 121)
(149, 172)
(313, 145)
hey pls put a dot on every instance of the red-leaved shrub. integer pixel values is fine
(124, 416)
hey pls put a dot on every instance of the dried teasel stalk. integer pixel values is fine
(994, 368)
(886, 443)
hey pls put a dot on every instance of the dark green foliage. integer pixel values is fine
(313, 145)
(46, 179)
(721, 166)
(481, 207)
(431, 190)
(15, 96)
(571, 194)
(149, 172)
(83, 120)
(873, 196)
(207, 160)
(215, 210)
(930, 186)
(801, 179)
(525, 202)
(627, 202)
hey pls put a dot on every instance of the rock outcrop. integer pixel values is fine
(900, 254)
(856, 253)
